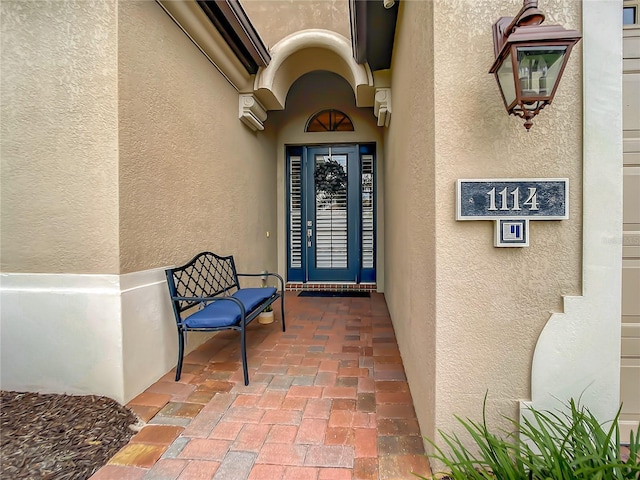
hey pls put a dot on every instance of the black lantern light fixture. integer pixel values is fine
(530, 59)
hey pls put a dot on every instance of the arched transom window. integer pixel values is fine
(329, 121)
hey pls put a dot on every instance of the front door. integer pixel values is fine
(331, 214)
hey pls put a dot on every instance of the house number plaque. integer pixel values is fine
(511, 204)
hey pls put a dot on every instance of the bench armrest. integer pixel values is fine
(210, 299)
(201, 299)
(268, 274)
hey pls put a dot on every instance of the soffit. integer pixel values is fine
(223, 32)
(232, 22)
(373, 28)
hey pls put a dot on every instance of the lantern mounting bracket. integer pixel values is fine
(529, 14)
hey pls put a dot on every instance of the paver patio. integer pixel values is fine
(327, 400)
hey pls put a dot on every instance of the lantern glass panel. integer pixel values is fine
(504, 75)
(539, 68)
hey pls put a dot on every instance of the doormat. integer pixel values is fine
(322, 293)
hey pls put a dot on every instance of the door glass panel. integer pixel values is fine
(295, 212)
(330, 185)
(367, 211)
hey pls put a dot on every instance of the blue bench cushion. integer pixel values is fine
(225, 313)
(252, 297)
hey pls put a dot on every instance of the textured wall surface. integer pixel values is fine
(192, 176)
(275, 19)
(490, 304)
(61, 333)
(59, 137)
(410, 208)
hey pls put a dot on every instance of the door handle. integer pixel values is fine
(309, 236)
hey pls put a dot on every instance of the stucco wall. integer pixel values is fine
(276, 19)
(410, 206)
(192, 176)
(122, 153)
(61, 334)
(59, 137)
(490, 304)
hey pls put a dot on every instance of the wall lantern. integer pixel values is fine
(530, 59)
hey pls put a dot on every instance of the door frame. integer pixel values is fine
(300, 272)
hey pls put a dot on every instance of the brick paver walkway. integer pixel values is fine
(327, 400)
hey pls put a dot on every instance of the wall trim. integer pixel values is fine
(61, 333)
(111, 335)
(144, 278)
(578, 352)
(34, 282)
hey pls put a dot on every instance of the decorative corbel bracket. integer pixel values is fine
(382, 106)
(251, 112)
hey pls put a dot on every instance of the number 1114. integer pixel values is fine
(531, 201)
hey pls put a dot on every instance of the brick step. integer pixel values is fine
(331, 287)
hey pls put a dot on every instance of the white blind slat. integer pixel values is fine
(295, 212)
(367, 211)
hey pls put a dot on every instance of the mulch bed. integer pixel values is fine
(60, 437)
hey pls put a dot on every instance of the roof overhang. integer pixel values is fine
(224, 34)
(373, 28)
(232, 22)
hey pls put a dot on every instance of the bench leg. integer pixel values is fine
(181, 335)
(284, 328)
(243, 346)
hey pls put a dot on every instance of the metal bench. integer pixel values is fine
(209, 284)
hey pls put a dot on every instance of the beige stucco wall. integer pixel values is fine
(410, 207)
(122, 153)
(477, 331)
(275, 19)
(192, 176)
(59, 137)
(125, 154)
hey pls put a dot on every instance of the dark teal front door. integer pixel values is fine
(331, 213)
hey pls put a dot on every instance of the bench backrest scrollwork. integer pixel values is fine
(206, 275)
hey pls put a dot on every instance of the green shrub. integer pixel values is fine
(567, 445)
